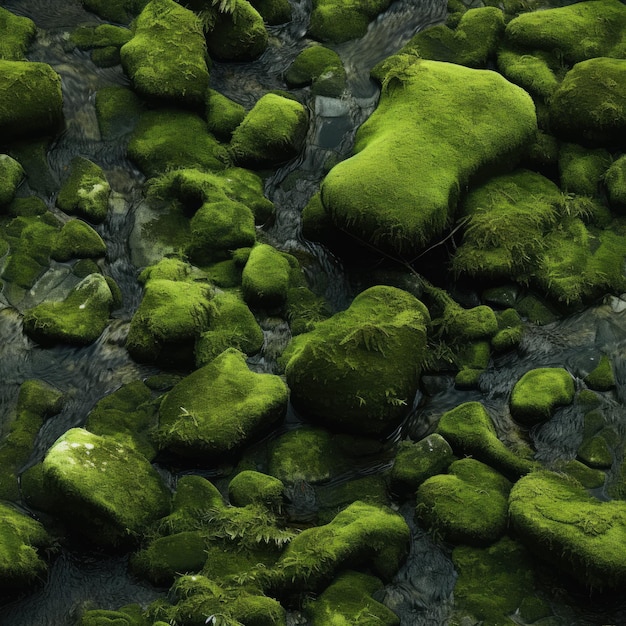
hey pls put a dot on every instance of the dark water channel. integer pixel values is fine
(422, 592)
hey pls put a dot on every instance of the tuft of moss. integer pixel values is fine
(11, 175)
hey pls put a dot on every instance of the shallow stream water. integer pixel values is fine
(423, 590)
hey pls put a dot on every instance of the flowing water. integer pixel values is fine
(422, 593)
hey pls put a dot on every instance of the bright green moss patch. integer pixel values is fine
(601, 378)
(88, 37)
(339, 372)
(586, 476)
(174, 139)
(536, 72)
(16, 34)
(166, 58)
(580, 535)
(130, 615)
(86, 191)
(266, 276)
(77, 240)
(470, 431)
(219, 408)
(223, 115)
(582, 169)
(456, 134)
(615, 181)
(250, 487)
(510, 331)
(11, 175)
(272, 132)
(320, 67)
(31, 103)
(79, 319)
(117, 109)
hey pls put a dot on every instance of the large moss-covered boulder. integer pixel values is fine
(456, 134)
(539, 392)
(166, 58)
(11, 175)
(31, 102)
(339, 372)
(100, 487)
(22, 538)
(16, 33)
(219, 408)
(558, 520)
(79, 319)
(272, 132)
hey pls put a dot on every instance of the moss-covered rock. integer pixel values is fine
(266, 277)
(115, 10)
(468, 505)
(582, 169)
(85, 192)
(272, 132)
(534, 71)
(16, 34)
(415, 462)
(104, 41)
(223, 115)
(219, 408)
(470, 431)
(615, 181)
(339, 372)
(321, 67)
(166, 58)
(444, 147)
(273, 11)
(510, 331)
(77, 240)
(539, 392)
(304, 309)
(101, 488)
(31, 100)
(117, 110)
(335, 21)
(601, 378)
(558, 520)
(11, 175)
(79, 319)
(130, 615)
(250, 487)
(173, 139)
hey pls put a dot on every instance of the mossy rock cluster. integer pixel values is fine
(104, 41)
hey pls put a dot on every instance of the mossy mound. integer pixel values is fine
(21, 539)
(510, 331)
(601, 378)
(101, 488)
(120, 11)
(16, 34)
(130, 615)
(272, 132)
(36, 402)
(31, 100)
(304, 309)
(266, 277)
(319, 66)
(472, 43)
(582, 169)
(348, 600)
(232, 326)
(470, 431)
(250, 487)
(537, 72)
(615, 181)
(219, 408)
(415, 462)
(117, 110)
(580, 31)
(11, 175)
(104, 41)
(273, 12)
(173, 139)
(85, 192)
(339, 372)
(223, 115)
(166, 58)
(458, 134)
(590, 103)
(77, 240)
(79, 319)
(539, 392)
(468, 505)
(335, 21)
(584, 537)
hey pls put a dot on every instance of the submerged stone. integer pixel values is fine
(117, 109)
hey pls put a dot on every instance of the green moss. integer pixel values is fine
(220, 408)
(223, 115)
(27, 207)
(536, 310)
(85, 192)
(586, 476)
(31, 103)
(534, 71)
(272, 132)
(117, 109)
(470, 431)
(115, 10)
(468, 505)
(108, 56)
(510, 331)
(266, 276)
(172, 139)
(320, 67)
(580, 535)
(130, 615)
(273, 12)
(250, 487)
(335, 21)
(16, 34)
(443, 147)
(348, 600)
(582, 169)
(78, 240)
(305, 309)
(79, 319)
(601, 378)
(543, 154)
(615, 181)
(11, 175)
(103, 36)
(166, 58)
(596, 453)
(339, 372)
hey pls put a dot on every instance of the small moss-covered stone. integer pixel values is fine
(556, 518)
(339, 372)
(586, 476)
(115, 10)
(117, 109)
(615, 181)
(273, 11)
(582, 169)
(535, 72)
(272, 132)
(103, 36)
(539, 392)
(86, 191)
(595, 452)
(265, 278)
(219, 408)
(223, 115)
(319, 66)
(11, 175)
(250, 487)
(305, 309)
(166, 58)
(470, 431)
(468, 505)
(510, 331)
(601, 378)
(79, 319)
(77, 240)
(16, 34)
(31, 103)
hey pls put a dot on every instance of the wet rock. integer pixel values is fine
(16, 34)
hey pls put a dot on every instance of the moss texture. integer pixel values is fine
(556, 518)
(223, 115)
(338, 373)
(250, 487)
(11, 175)
(537, 71)
(319, 66)
(115, 10)
(273, 12)
(539, 392)
(117, 109)
(219, 408)
(266, 277)
(615, 181)
(166, 58)
(582, 169)
(16, 34)
(443, 147)
(77, 240)
(601, 378)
